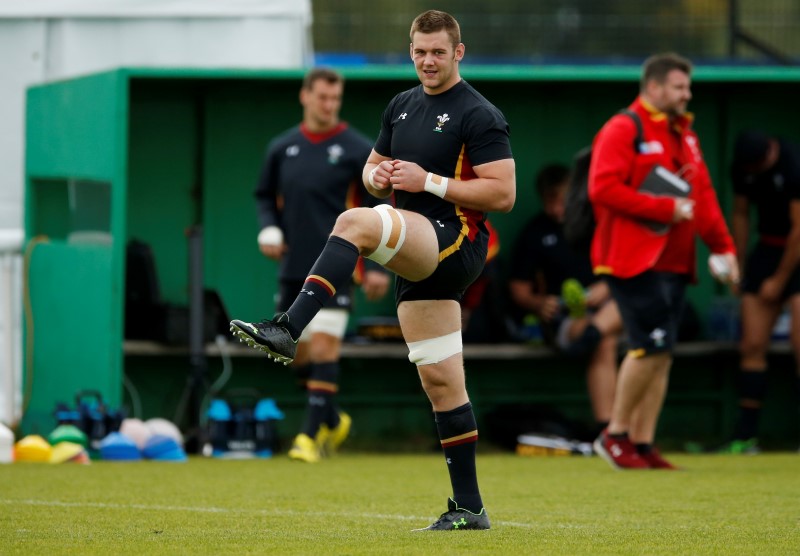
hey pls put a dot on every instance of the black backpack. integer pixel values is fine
(578, 214)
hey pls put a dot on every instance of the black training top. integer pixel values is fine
(307, 180)
(541, 251)
(447, 134)
(772, 191)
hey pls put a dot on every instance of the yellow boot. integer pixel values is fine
(338, 434)
(304, 449)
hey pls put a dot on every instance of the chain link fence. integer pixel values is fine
(569, 31)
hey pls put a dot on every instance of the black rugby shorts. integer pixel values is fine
(651, 305)
(455, 272)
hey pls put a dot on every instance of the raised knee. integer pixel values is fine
(347, 221)
(354, 226)
(392, 234)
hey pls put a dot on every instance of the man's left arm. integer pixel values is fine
(710, 222)
(711, 225)
(493, 190)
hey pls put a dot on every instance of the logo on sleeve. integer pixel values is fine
(651, 147)
(441, 121)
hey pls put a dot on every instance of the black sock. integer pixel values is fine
(619, 436)
(322, 388)
(333, 269)
(752, 387)
(458, 434)
(643, 448)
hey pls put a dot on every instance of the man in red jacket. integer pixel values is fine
(648, 268)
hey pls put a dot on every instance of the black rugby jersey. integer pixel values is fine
(541, 248)
(447, 134)
(306, 181)
(772, 191)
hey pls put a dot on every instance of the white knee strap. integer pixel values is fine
(332, 322)
(433, 350)
(392, 236)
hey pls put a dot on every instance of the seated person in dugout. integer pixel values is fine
(484, 316)
(556, 285)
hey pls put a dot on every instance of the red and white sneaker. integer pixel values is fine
(656, 461)
(619, 453)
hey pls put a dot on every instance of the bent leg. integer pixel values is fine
(758, 319)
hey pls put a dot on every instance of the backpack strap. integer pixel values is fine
(639, 129)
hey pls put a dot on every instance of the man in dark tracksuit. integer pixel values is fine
(311, 174)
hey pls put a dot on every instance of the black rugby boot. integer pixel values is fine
(270, 336)
(456, 518)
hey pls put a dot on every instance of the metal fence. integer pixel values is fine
(577, 31)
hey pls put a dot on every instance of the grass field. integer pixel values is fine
(367, 504)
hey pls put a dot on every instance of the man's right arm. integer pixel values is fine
(376, 174)
(270, 236)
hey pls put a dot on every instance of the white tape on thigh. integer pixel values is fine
(433, 350)
(332, 322)
(392, 236)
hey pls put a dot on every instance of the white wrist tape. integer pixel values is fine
(371, 177)
(436, 184)
(271, 235)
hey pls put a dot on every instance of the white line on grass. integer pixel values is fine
(213, 510)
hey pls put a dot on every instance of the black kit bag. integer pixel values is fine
(579, 220)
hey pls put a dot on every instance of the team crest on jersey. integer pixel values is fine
(335, 152)
(441, 121)
(292, 150)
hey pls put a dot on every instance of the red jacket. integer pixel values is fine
(622, 246)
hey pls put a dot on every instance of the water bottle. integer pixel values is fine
(267, 415)
(532, 330)
(219, 420)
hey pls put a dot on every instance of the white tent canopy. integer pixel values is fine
(46, 40)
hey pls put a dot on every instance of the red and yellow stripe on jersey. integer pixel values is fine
(469, 218)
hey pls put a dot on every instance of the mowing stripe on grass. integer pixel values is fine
(211, 510)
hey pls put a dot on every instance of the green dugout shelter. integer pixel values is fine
(150, 154)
